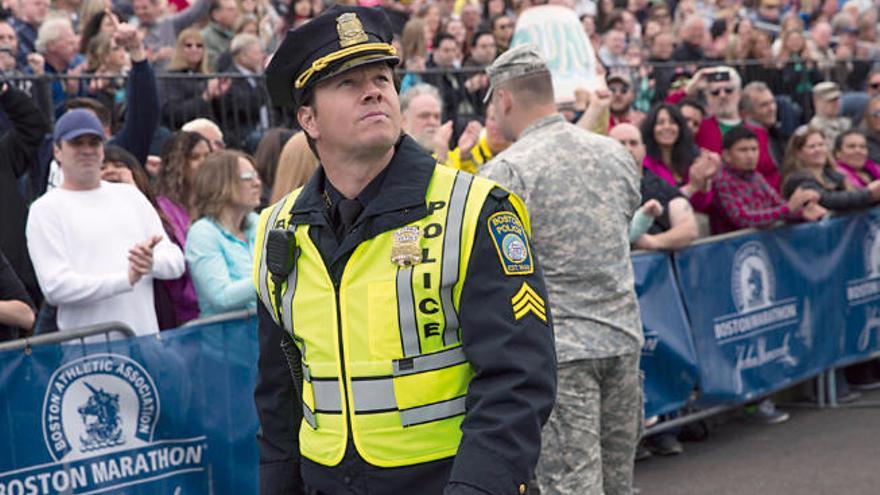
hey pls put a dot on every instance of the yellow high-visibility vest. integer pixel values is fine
(381, 354)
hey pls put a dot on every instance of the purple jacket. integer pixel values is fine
(181, 290)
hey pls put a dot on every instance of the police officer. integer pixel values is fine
(405, 341)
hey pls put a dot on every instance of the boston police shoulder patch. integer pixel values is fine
(511, 243)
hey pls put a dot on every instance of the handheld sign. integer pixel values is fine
(561, 40)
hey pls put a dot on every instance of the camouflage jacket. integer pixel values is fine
(581, 190)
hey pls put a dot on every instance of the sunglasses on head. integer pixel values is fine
(717, 91)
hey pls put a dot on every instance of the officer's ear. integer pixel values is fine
(306, 115)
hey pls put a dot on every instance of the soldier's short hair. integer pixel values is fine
(534, 88)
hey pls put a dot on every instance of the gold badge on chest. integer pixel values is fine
(405, 247)
(350, 30)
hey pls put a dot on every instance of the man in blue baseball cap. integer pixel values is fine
(97, 246)
(411, 312)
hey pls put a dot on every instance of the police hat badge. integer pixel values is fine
(405, 248)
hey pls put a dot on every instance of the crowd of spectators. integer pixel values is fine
(742, 113)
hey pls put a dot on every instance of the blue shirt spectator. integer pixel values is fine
(220, 245)
(221, 266)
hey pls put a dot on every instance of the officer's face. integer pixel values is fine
(356, 113)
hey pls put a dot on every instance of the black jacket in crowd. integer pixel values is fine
(835, 197)
(18, 152)
(182, 99)
(508, 400)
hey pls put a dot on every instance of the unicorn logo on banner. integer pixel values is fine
(100, 415)
(753, 280)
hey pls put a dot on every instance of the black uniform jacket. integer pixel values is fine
(508, 400)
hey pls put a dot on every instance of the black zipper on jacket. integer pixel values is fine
(342, 381)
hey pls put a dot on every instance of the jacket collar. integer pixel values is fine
(403, 188)
(549, 120)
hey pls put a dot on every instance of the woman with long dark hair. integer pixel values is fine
(182, 156)
(670, 153)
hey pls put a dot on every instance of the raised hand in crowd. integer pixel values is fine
(72, 84)
(595, 117)
(801, 198)
(129, 38)
(814, 212)
(216, 88)
(703, 169)
(441, 141)
(477, 82)
(140, 259)
(37, 63)
(469, 138)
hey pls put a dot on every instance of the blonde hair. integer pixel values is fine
(295, 165)
(98, 49)
(413, 39)
(178, 60)
(216, 183)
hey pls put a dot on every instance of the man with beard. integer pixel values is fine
(420, 112)
(722, 87)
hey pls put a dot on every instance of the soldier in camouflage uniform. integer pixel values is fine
(582, 190)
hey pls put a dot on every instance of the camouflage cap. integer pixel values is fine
(519, 61)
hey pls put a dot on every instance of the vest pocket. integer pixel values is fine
(384, 337)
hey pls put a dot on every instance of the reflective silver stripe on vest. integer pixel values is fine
(452, 253)
(433, 412)
(265, 294)
(429, 362)
(327, 396)
(306, 375)
(309, 416)
(373, 395)
(406, 315)
(287, 299)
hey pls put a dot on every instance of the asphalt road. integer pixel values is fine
(817, 452)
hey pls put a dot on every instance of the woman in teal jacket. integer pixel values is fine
(220, 244)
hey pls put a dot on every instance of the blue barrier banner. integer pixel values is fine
(859, 294)
(668, 358)
(169, 414)
(758, 309)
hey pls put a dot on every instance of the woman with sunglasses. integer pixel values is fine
(220, 245)
(186, 95)
(672, 155)
(808, 164)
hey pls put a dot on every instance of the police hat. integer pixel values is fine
(341, 38)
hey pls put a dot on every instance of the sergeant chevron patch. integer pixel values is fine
(528, 301)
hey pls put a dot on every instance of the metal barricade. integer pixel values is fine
(221, 318)
(67, 335)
